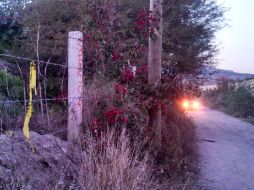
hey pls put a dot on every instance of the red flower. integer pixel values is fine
(141, 24)
(127, 75)
(112, 115)
(120, 89)
(95, 123)
(115, 57)
(152, 30)
(142, 20)
(152, 18)
(125, 120)
(124, 90)
(142, 70)
(117, 88)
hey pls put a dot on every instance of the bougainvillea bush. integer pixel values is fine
(111, 105)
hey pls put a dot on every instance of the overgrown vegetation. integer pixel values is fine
(107, 164)
(234, 98)
(117, 151)
(109, 106)
(11, 27)
(11, 88)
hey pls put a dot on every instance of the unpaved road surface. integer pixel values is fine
(226, 151)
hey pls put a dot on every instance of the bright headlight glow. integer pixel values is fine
(186, 104)
(195, 105)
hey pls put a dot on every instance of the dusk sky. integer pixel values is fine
(236, 41)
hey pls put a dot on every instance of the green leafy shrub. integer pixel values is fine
(10, 86)
(11, 28)
(234, 99)
(240, 102)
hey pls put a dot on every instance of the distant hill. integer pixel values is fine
(220, 73)
(228, 74)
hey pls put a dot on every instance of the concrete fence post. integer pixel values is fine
(75, 85)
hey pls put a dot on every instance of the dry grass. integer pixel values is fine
(112, 164)
(99, 93)
(177, 159)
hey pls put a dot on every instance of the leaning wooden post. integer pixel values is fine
(75, 85)
(154, 63)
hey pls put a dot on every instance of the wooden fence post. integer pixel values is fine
(154, 64)
(75, 85)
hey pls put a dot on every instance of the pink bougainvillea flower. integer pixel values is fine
(115, 57)
(127, 75)
(120, 89)
(142, 70)
(112, 115)
(124, 90)
(96, 123)
(142, 21)
(117, 88)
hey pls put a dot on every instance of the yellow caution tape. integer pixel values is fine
(32, 86)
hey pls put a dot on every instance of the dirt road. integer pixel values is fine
(226, 151)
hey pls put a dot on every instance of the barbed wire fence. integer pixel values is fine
(13, 110)
(65, 109)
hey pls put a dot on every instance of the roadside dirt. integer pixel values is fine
(43, 169)
(226, 151)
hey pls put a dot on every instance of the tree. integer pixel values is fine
(189, 28)
(189, 34)
(10, 22)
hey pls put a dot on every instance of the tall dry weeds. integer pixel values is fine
(108, 164)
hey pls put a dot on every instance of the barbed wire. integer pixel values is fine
(43, 62)
(30, 59)
(10, 17)
(38, 100)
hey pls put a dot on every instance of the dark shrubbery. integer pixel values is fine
(235, 99)
(10, 89)
(240, 102)
(10, 86)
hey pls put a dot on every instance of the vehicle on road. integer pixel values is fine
(191, 104)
